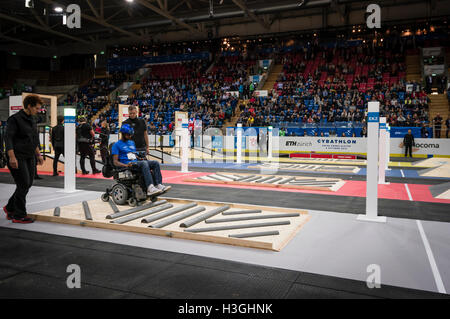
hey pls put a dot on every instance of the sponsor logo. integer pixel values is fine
(335, 141)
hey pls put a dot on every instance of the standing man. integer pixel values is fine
(447, 123)
(57, 139)
(139, 126)
(22, 148)
(85, 135)
(104, 137)
(408, 142)
(437, 125)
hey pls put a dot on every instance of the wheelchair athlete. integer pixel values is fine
(125, 155)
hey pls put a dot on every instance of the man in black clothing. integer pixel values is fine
(437, 125)
(408, 142)
(447, 123)
(139, 126)
(22, 150)
(104, 137)
(57, 139)
(85, 136)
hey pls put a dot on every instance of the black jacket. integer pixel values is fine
(140, 129)
(22, 135)
(408, 140)
(58, 136)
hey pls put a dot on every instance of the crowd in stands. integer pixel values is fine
(323, 86)
(319, 85)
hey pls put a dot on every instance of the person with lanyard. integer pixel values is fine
(139, 126)
(85, 135)
(104, 140)
(22, 149)
(124, 155)
(57, 139)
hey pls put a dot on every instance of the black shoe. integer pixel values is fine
(85, 172)
(55, 174)
(96, 171)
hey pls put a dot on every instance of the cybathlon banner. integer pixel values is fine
(323, 144)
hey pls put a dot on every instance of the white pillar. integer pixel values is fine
(388, 146)
(372, 165)
(382, 152)
(69, 151)
(184, 146)
(239, 143)
(270, 142)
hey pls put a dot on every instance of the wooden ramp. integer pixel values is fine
(281, 224)
(308, 167)
(270, 181)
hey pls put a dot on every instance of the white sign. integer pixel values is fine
(261, 93)
(423, 146)
(15, 104)
(323, 144)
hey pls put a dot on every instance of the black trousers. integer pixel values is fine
(86, 150)
(104, 153)
(408, 148)
(58, 152)
(23, 177)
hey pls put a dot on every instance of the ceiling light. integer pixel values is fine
(58, 9)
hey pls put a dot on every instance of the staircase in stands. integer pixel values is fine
(273, 77)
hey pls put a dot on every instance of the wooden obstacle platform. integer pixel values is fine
(270, 181)
(308, 167)
(260, 227)
(439, 171)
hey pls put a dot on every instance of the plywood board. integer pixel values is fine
(308, 167)
(307, 183)
(440, 171)
(74, 215)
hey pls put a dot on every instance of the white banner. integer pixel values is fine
(15, 104)
(323, 144)
(261, 93)
(424, 146)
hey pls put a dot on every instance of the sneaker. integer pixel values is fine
(152, 190)
(96, 171)
(23, 220)
(85, 173)
(8, 214)
(163, 188)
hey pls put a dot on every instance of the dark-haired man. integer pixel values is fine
(22, 149)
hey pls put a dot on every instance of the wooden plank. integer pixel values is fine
(74, 215)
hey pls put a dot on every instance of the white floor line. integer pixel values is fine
(401, 171)
(409, 193)
(434, 269)
(56, 198)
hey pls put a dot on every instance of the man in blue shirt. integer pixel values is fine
(124, 155)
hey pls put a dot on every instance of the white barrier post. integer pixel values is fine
(184, 145)
(69, 150)
(388, 146)
(239, 144)
(372, 165)
(382, 152)
(270, 142)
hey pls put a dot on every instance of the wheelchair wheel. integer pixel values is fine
(132, 202)
(119, 194)
(105, 197)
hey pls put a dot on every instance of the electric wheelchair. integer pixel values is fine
(129, 185)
